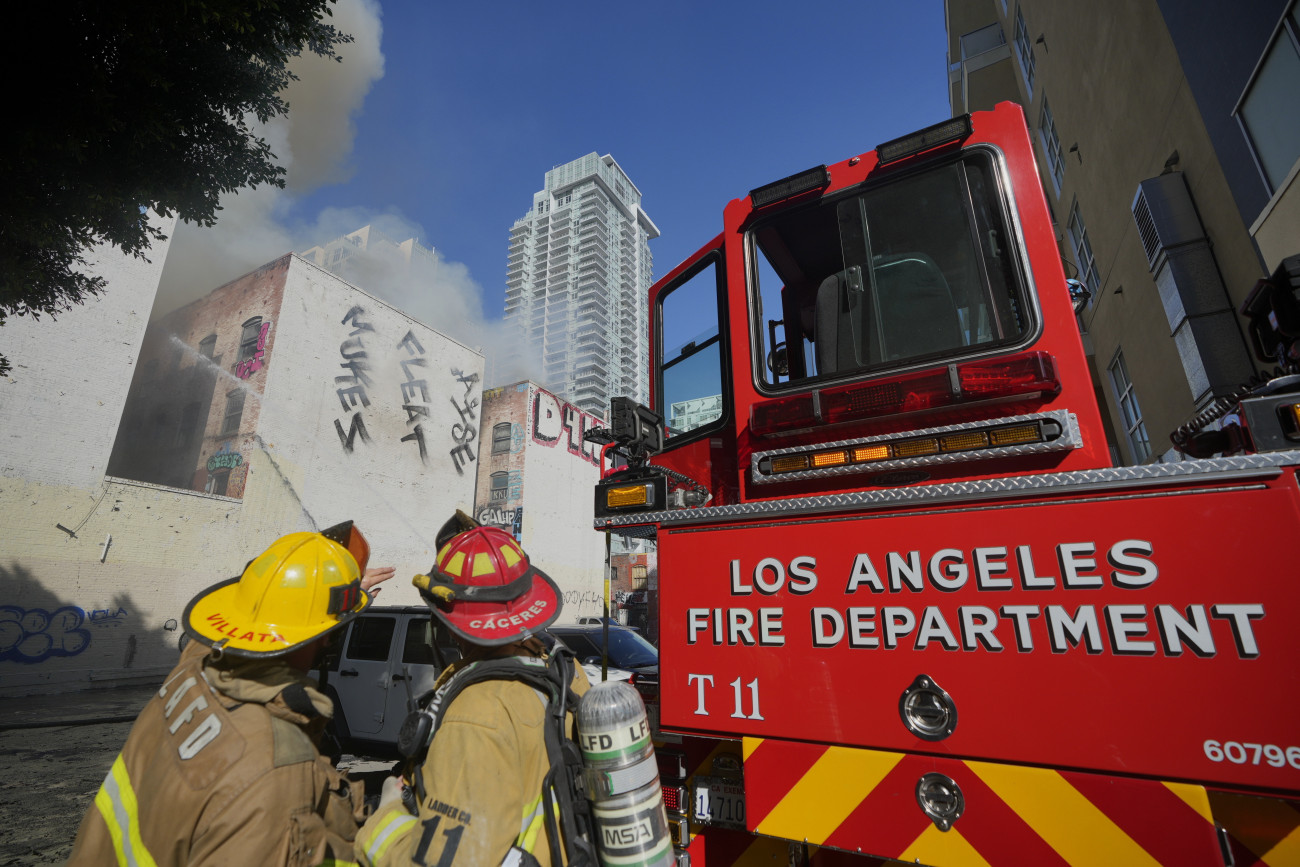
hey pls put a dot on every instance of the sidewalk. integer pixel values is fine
(120, 703)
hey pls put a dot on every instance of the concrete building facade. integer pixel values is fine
(1160, 206)
(536, 479)
(334, 255)
(352, 410)
(578, 267)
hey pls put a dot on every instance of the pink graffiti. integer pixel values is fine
(553, 419)
(249, 366)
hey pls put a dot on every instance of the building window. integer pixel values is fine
(189, 424)
(501, 438)
(219, 483)
(1134, 427)
(248, 339)
(1024, 51)
(1051, 145)
(234, 412)
(1267, 109)
(500, 482)
(1083, 252)
(208, 346)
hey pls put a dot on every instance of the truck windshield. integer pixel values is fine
(911, 271)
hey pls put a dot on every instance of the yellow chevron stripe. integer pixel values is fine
(1066, 820)
(948, 848)
(1286, 853)
(1194, 797)
(826, 795)
(748, 745)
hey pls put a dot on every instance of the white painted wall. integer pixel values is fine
(559, 480)
(76, 613)
(397, 498)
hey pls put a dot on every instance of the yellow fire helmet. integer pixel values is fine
(303, 586)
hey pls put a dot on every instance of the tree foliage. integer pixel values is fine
(120, 107)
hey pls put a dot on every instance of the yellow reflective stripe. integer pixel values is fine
(943, 847)
(1194, 797)
(331, 862)
(825, 796)
(1285, 852)
(531, 825)
(1066, 820)
(387, 831)
(117, 803)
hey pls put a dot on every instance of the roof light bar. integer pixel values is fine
(812, 179)
(923, 140)
(1052, 431)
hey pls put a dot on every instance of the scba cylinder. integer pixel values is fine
(622, 778)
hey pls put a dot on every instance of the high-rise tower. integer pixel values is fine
(578, 269)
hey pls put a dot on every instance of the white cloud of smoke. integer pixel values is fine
(314, 143)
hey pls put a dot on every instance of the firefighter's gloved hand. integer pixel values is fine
(391, 791)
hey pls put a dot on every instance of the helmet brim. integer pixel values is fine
(211, 619)
(493, 624)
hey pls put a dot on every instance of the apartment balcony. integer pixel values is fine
(984, 73)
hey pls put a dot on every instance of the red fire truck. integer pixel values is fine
(906, 606)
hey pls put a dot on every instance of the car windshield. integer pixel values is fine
(626, 648)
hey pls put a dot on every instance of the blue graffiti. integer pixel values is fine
(34, 635)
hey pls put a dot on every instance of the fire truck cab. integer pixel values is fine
(907, 609)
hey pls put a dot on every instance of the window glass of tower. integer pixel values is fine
(1268, 112)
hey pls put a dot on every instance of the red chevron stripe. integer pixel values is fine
(771, 772)
(889, 817)
(995, 830)
(1158, 820)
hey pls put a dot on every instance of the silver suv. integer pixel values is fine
(376, 668)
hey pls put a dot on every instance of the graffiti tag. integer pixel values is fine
(464, 431)
(253, 364)
(224, 459)
(352, 386)
(554, 419)
(415, 412)
(106, 616)
(34, 635)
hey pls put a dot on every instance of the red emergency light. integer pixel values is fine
(990, 379)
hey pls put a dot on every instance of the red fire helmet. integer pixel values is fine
(486, 591)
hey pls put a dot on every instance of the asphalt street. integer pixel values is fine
(54, 753)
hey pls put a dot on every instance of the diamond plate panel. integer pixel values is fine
(1212, 470)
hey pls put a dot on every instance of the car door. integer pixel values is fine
(426, 650)
(364, 678)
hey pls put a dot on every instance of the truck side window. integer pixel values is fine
(916, 269)
(418, 647)
(690, 358)
(371, 638)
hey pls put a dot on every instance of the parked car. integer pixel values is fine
(631, 658)
(375, 669)
(596, 621)
(377, 666)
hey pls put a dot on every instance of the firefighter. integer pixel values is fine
(478, 790)
(222, 767)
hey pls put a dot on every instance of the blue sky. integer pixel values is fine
(698, 102)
